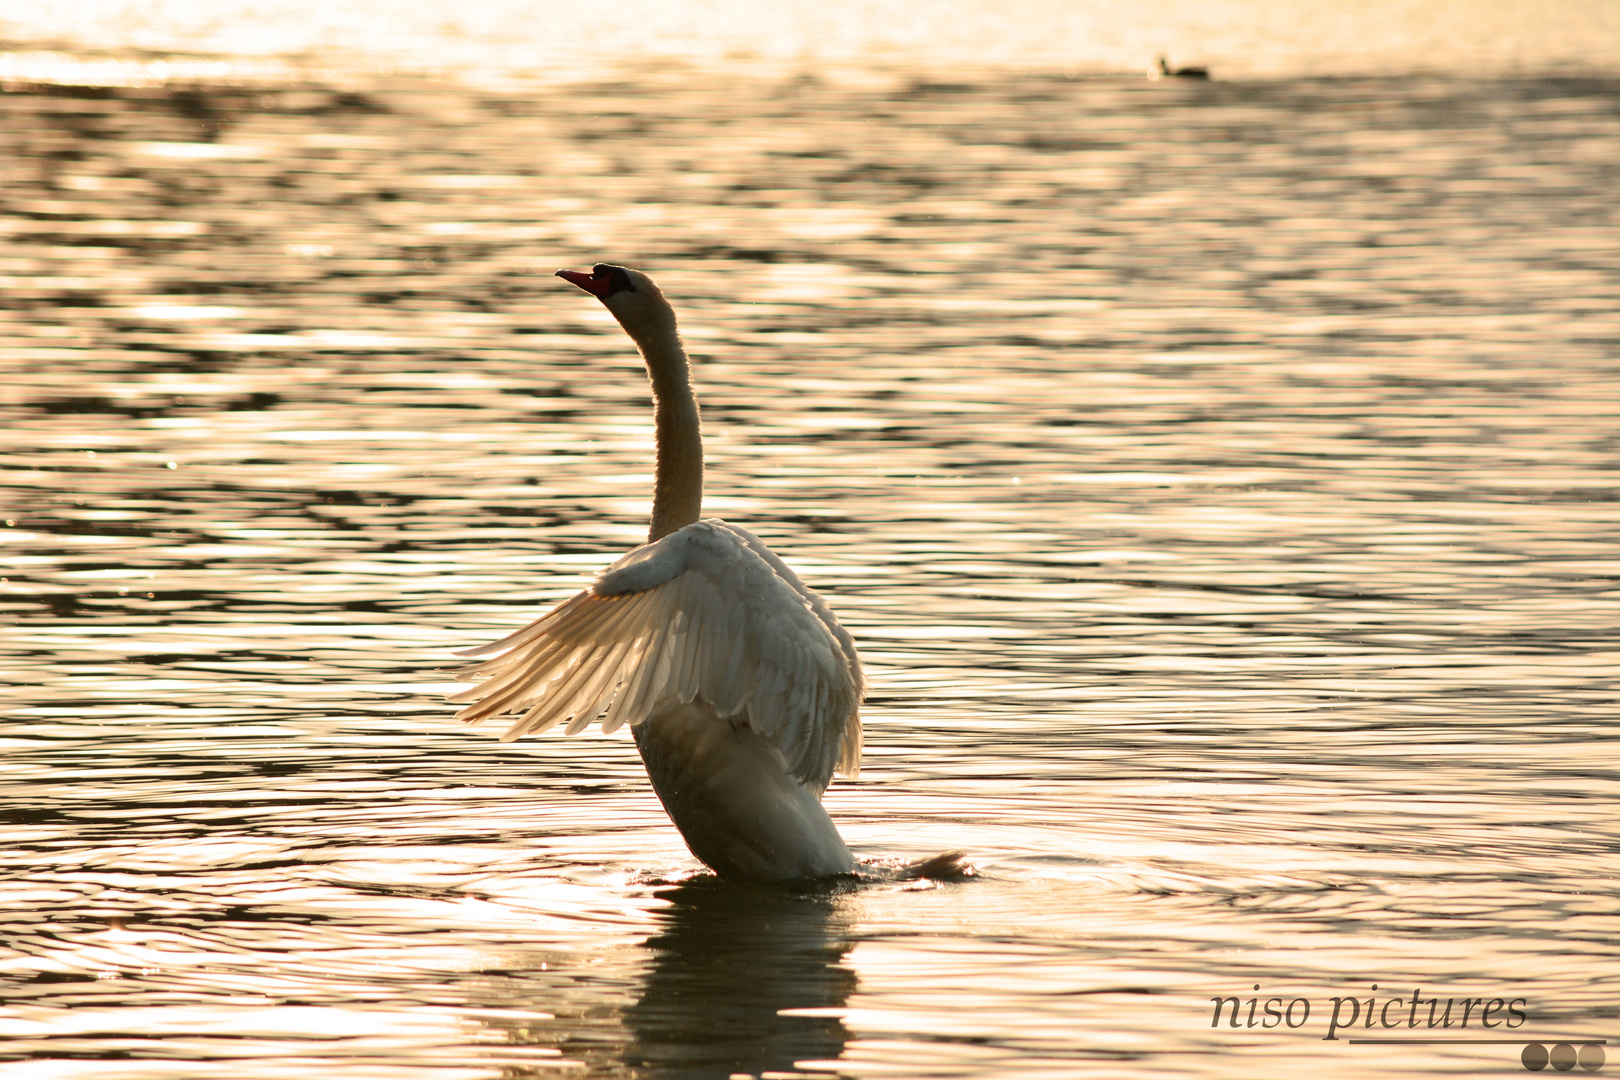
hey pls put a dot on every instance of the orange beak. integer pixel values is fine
(595, 283)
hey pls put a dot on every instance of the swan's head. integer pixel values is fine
(630, 295)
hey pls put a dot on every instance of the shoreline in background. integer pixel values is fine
(23, 68)
(513, 43)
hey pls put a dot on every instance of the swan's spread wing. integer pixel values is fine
(706, 612)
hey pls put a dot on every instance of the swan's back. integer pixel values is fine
(705, 614)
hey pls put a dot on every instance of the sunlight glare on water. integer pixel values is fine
(1219, 479)
(498, 40)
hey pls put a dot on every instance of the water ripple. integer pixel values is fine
(1219, 481)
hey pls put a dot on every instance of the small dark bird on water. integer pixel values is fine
(1162, 70)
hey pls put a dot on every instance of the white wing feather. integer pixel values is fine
(706, 612)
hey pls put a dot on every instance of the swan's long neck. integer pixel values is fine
(678, 490)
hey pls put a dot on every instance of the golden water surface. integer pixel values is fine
(1220, 481)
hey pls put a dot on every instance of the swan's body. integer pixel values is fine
(739, 685)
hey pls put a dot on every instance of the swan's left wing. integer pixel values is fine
(706, 612)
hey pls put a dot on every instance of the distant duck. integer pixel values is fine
(1162, 70)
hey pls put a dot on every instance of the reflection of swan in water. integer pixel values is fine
(722, 986)
(1161, 69)
(739, 685)
(732, 975)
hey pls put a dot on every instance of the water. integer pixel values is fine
(1219, 480)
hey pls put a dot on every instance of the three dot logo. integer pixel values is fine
(1562, 1057)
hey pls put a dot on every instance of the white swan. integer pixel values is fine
(739, 685)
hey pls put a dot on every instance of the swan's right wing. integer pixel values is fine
(704, 612)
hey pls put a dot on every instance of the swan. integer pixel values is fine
(1162, 70)
(740, 687)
